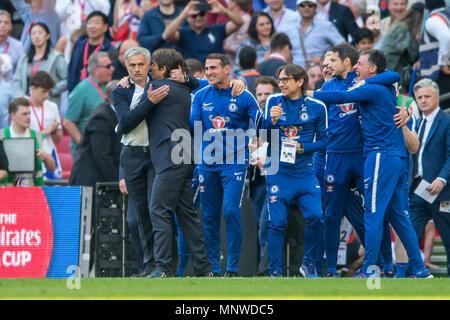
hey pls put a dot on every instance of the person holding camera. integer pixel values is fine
(211, 37)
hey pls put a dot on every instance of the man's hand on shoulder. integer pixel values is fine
(178, 75)
(124, 83)
(237, 87)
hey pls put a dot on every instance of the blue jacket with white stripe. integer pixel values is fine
(221, 116)
(377, 106)
(304, 120)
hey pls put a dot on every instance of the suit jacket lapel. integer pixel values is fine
(111, 112)
(144, 94)
(434, 127)
(332, 15)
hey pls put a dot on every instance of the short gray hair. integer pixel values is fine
(427, 83)
(94, 59)
(135, 51)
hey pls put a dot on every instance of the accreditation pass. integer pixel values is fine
(288, 151)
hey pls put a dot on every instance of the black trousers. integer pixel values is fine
(172, 192)
(139, 175)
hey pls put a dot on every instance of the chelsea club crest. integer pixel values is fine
(232, 107)
(304, 116)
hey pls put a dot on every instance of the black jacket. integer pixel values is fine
(342, 17)
(171, 113)
(99, 150)
(269, 67)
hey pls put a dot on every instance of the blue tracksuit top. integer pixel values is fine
(304, 120)
(377, 106)
(344, 126)
(220, 114)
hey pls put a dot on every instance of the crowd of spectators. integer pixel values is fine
(58, 56)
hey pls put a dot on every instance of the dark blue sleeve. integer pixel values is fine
(253, 110)
(182, 32)
(320, 143)
(266, 122)
(147, 36)
(71, 74)
(129, 119)
(223, 30)
(365, 92)
(385, 78)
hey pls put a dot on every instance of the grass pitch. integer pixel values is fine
(226, 289)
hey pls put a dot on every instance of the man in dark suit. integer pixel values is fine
(432, 164)
(340, 15)
(99, 147)
(172, 190)
(280, 49)
(138, 170)
(142, 157)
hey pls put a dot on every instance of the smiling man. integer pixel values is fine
(301, 122)
(384, 165)
(222, 173)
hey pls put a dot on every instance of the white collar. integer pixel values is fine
(131, 81)
(277, 55)
(326, 8)
(431, 116)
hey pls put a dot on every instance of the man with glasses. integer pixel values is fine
(198, 40)
(86, 96)
(316, 35)
(301, 122)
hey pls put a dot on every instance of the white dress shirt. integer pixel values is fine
(430, 119)
(139, 135)
(324, 13)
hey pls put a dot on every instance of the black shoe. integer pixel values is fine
(230, 274)
(143, 274)
(210, 274)
(148, 269)
(158, 274)
(262, 274)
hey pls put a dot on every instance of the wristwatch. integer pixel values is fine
(300, 149)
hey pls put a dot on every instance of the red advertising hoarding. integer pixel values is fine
(26, 233)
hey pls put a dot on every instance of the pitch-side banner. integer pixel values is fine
(35, 226)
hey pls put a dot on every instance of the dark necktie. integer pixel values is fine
(421, 133)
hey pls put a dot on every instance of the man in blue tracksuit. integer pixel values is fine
(300, 123)
(223, 159)
(344, 159)
(384, 151)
